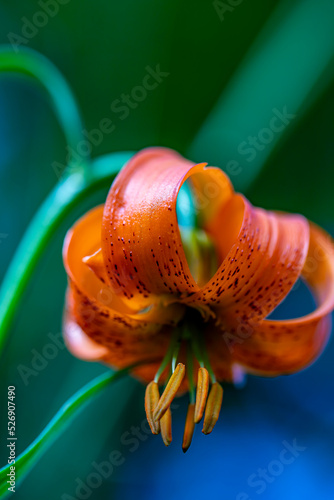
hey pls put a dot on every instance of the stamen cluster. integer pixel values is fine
(201, 401)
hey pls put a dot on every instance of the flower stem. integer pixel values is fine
(70, 409)
(32, 64)
(68, 192)
(76, 183)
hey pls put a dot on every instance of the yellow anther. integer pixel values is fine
(201, 393)
(151, 400)
(189, 428)
(170, 391)
(166, 427)
(213, 406)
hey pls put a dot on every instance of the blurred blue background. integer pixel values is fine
(227, 69)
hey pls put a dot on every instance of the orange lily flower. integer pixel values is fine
(134, 296)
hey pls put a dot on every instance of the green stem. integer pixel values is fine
(64, 196)
(32, 64)
(70, 409)
(68, 191)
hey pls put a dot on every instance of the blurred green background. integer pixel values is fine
(227, 67)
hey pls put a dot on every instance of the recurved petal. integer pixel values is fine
(262, 254)
(141, 241)
(281, 347)
(98, 324)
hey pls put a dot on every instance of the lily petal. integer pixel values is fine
(280, 347)
(103, 317)
(262, 255)
(141, 242)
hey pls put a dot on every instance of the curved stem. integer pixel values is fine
(31, 63)
(64, 196)
(70, 409)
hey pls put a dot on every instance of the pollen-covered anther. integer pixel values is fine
(170, 391)
(213, 407)
(166, 427)
(189, 428)
(201, 393)
(151, 400)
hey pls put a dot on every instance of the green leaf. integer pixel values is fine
(275, 85)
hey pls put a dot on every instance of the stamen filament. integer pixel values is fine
(158, 408)
(213, 407)
(166, 427)
(168, 356)
(175, 354)
(170, 391)
(201, 393)
(152, 397)
(201, 354)
(189, 428)
(197, 350)
(190, 373)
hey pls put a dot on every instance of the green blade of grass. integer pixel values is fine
(282, 70)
